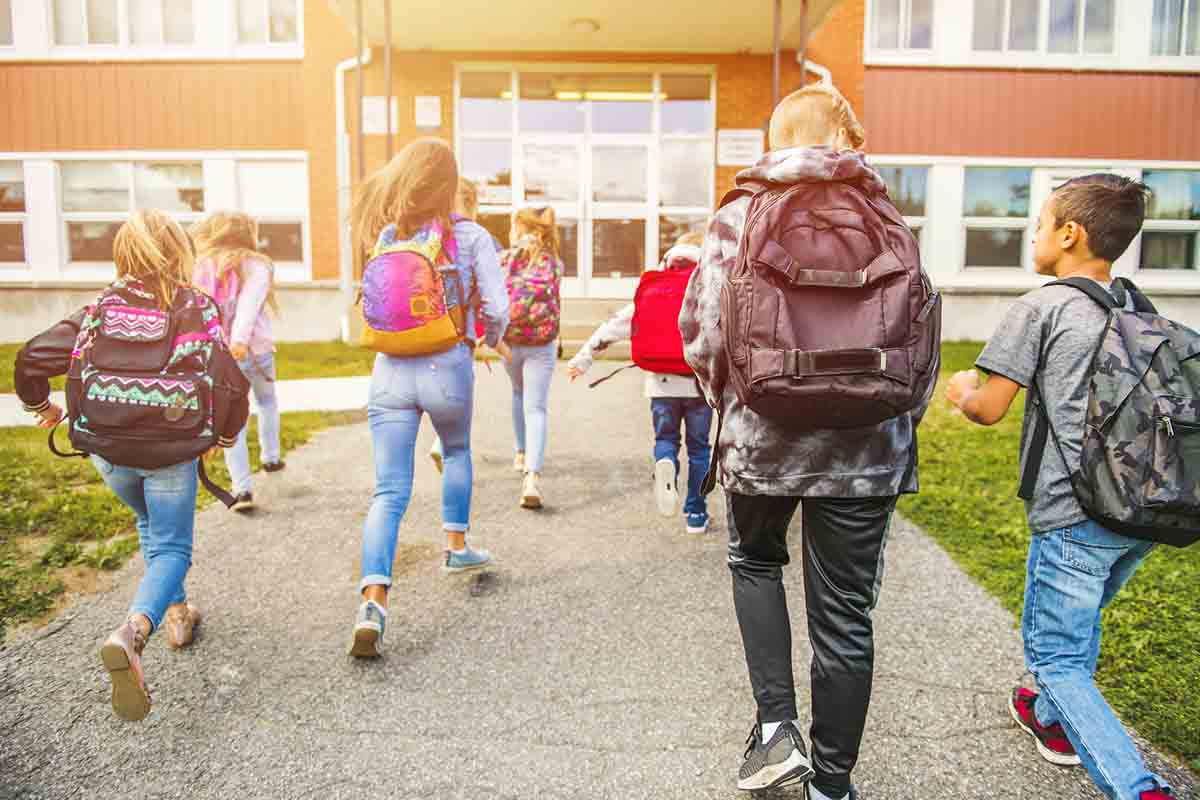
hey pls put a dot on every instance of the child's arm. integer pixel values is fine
(984, 404)
(493, 294)
(617, 329)
(45, 356)
(251, 299)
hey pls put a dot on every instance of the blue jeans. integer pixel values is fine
(531, 371)
(402, 389)
(164, 501)
(670, 414)
(1072, 574)
(261, 372)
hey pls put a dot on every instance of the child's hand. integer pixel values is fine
(239, 351)
(574, 372)
(504, 350)
(961, 385)
(50, 416)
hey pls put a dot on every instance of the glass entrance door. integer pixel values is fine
(625, 158)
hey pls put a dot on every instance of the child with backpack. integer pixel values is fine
(231, 270)
(423, 263)
(150, 388)
(813, 332)
(652, 322)
(533, 273)
(1109, 461)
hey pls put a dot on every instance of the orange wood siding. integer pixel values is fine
(1032, 114)
(182, 106)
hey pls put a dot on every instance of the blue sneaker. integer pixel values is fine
(368, 631)
(466, 560)
(697, 523)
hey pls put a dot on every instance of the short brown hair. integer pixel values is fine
(811, 115)
(1111, 208)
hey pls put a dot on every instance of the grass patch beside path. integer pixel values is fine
(59, 521)
(1150, 661)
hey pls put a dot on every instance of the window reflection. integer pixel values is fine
(12, 187)
(1163, 250)
(551, 103)
(1175, 194)
(906, 188)
(92, 241)
(618, 248)
(488, 163)
(672, 226)
(282, 241)
(619, 174)
(551, 173)
(169, 187)
(12, 243)
(686, 173)
(485, 101)
(686, 104)
(95, 186)
(994, 247)
(996, 192)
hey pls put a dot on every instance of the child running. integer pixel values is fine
(150, 386)
(403, 218)
(674, 400)
(231, 270)
(1076, 565)
(534, 272)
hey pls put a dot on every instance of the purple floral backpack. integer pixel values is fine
(535, 306)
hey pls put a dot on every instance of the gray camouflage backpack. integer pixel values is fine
(1139, 472)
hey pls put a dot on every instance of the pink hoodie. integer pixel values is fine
(243, 307)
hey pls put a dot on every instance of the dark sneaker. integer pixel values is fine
(1051, 740)
(122, 657)
(368, 631)
(243, 503)
(697, 523)
(783, 761)
(274, 466)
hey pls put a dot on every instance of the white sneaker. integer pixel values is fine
(531, 495)
(665, 494)
(519, 462)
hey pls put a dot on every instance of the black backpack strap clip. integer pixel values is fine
(216, 491)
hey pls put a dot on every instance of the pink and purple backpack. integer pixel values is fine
(535, 307)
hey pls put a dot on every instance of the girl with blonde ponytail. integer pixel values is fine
(231, 270)
(135, 360)
(534, 278)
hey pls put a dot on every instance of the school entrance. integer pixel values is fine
(623, 154)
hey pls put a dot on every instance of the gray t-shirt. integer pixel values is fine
(1053, 331)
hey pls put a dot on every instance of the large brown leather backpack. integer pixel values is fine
(829, 320)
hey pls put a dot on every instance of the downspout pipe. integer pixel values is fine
(823, 73)
(345, 245)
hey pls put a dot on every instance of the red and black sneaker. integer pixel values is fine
(1051, 740)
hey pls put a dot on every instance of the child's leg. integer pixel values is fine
(449, 399)
(539, 372)
(1077, 570)
(170, 497)
(667, 416)
(237, 460)
(516, 374)
(698, 416)
(393, 439)
(262, 378)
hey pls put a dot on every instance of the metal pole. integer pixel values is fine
(387, 69)
(775, 67)
(362, 162)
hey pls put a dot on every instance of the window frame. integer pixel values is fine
(21, 218)
(1043, 33)
(285, 271)
(124, 43)
(905, 31)
(1153, 225)
(921, 221)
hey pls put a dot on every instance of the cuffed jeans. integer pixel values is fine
(844, 544)
(669, 415)
(402, 390)
(531, 370)
(260, 370)
(164, 502)
(1071, 575)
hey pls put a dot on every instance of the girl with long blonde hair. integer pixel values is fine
(231, 269)
(412, 199)
(149, 301)
(534, 271)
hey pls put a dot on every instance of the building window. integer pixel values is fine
(6, 23)
(1171, 238)
(907, 190)
(98, 196)
(996, 216)
(268, 21)
(275, 193)
(144, 22)
(12, 214)
(1176, 28)
(1060, 27)
(902, 24)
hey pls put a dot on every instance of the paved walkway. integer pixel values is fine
(313, 394)
(600, 658)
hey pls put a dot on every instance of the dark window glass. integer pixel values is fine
(1175, 194)
(282, 241)
(92, 241)
(12, 187)
(12, 243)
(498, 225)
(671, 227)
(994, 248)
(996, 192)
(568, 238)
(619, 248)
(1168, 250)
(906, 187)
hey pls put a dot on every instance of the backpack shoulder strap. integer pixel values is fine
(748, 189)
(1141, 303)
(1091, 289)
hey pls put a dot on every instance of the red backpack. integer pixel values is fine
(657, 345)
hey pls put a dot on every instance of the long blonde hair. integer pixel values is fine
(541, 227)
(415, 188)
(467, 201)
(153, 249)
(230, 238)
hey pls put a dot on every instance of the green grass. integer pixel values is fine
(1150, 662)
(56, 514)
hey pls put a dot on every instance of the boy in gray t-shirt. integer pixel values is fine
(1076, 566)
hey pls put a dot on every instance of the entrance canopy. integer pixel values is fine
(686, 26)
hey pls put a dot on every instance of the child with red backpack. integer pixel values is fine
(651, 321)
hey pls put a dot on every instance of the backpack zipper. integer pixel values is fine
(1166, 424)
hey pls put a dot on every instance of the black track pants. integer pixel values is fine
(843, 565)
